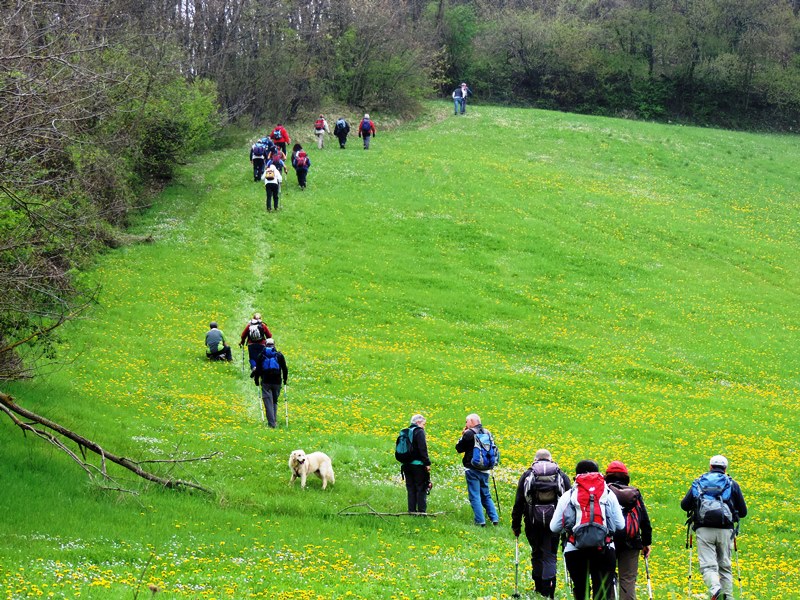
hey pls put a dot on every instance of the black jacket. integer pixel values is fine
(420, 444)
(276, 378)
(520, 511)
(736, 502)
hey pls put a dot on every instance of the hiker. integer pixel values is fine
(637, 535)
(258, 156)
(280, 138)
(255, 335)
(320, 129)
(269, 374)
(589, 514)
(277, 158)
(216, 346)
(715, 504)
(301, 163)
(416, 467)
(480, 497)
(272, 184)
(340, 130)
(460, 95)
(538, 491)
(366, 129)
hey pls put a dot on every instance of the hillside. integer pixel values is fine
(603, 288)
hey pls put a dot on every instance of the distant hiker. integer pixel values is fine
(411, 449)
(277, 158)
(538, 492)
(272, 184)
(271, 371)
(280, 137)
(258, 157)
(589, 514)
(366, 129)
(320, 129)
(255, 335)
(301, 163)
(477, 475)
(715, 504)
(340, 130)
(216, 346)
(460, 95)
(637, 535)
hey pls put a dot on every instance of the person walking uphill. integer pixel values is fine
(636, 537)
(366, 129)
(340, 130)
(280, 137)
(715, 504)
(301, 163)
(538, 491)
(271, 370)
(589, 514)
(255, 335)
(480, 456)
(320, 129)
(416, 465)
(272, 184)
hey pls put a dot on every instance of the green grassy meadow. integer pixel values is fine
(607, 289)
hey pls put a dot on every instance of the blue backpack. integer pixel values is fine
(485, 454)
(269, 362)
(712, 493)
(366, 126)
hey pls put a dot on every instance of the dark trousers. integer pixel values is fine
(301, 177)
(596, 565)
(224, 354)
(544, 563)
(342, 140)
(253, 352)
(258, 168)
(272, 195)
(417, 478)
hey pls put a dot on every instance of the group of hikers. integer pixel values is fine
(267, 365)
(601, 520)
(268, 154)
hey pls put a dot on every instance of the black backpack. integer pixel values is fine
(544, 485)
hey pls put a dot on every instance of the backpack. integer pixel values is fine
(588, 500)
(543, 487)
(319, 124)
(341, 124)
(259, 151)
(712, 492)
(254, 333)
(269, 362)
(630, 500)
(301, 160)
(404, 450)
(269, 174)
(485, 455)
(366, 126)
(277, 134)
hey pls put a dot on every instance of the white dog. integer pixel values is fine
(317, 463)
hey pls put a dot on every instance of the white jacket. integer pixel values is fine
(277, 179)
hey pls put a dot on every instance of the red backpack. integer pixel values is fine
(588, 498)
(301, 160)
(319, 124)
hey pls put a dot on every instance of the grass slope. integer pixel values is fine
(603, 288)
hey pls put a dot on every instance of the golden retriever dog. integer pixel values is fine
(317, 463)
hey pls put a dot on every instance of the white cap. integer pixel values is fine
(269, 342)
(718, 461)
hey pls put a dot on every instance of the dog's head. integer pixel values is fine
(297, 457)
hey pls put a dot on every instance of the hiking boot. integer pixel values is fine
(495, 523)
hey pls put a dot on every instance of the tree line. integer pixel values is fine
(100, 99)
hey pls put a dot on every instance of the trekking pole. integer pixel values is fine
(738, 568)
(689, 547)
(564, 560)
(263, 409)
(516, 568)
(495, 493)
(649, 585)
(286, 403)
(242, 347)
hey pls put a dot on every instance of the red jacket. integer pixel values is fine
(361, 131)
(264, 330)
(283, 138)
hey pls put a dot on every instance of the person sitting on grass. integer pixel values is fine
(216, 346)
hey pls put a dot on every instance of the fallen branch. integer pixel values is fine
(375, 513)
(48, 430)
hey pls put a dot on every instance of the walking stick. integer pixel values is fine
(495, 493)
(286, 403)
(564, 560)
(649, 585)
(738, 568)
(263, 410)
(242, 347)
(689, 546)
(516, 568)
